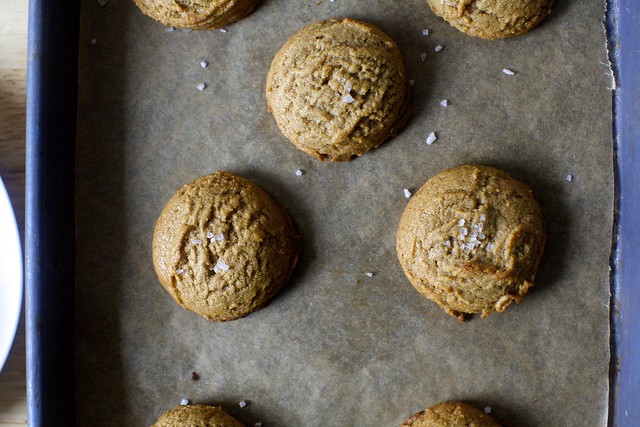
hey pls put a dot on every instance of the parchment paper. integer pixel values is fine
(337, 348)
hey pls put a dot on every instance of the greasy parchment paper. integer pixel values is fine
(337, 348)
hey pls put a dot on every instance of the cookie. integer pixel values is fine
(222, 247)
(451, 414)
(338, 88)
(492, 19)
(197, 416)
(196, 15)
(471, 240)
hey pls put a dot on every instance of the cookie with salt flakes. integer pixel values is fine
(197, 416)
(471, 240)
(492, 19)
(196, 15)
(338, 88)
(451, 414)
(222, 247)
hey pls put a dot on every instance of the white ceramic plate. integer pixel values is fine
(10, 275)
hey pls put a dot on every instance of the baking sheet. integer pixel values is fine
(335, 347)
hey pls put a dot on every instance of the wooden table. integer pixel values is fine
(13, 89)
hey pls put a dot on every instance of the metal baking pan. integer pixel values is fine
(50, 226)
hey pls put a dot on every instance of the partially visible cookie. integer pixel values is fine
(492, 19)
(222, 247)
(196, 14)
(471, 240)
(338, 88)
(451, 414)
(197, 416)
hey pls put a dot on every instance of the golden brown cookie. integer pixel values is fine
(492, 19)
(222, 247)
(338, 88)
(451, 414)
(196, 15)
(197, 416)
(471, 240)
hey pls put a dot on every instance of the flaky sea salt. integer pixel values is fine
(94, 42)
(447, 243)
(431, 138)
(219, 237)
(103, 2)
(487, 409)
(170, 29)
(463, 231)
(180, 271)
(259, 424)
(196, 241)
(438, 48)
(223, 30)
(407, 193)
(186, 30)
(347, 99)
(209, 235)
(299, 172)
(423, 57)
(201, 87)
(461, 222)
(444, 103)
(184, 402)
(490, 246)
(425, 32)
(508, 72)
(204, 64)
(482, 217)
(368, 274)
(242, 404)
(220, 266)
(568, 178)
(348, 87)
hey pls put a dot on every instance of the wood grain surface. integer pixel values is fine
(13, 88)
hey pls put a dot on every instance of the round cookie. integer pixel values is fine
(492, 19)
(197, 416)
(338, 88)
(222, 247)
(471, 240)
(451, 414)
(196, 15)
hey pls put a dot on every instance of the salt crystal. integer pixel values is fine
(170, 29)
(423, 57)
(490, 246)
(444, 103)
(186, 30)
(481, 236)
(259, 424)
(368, 274)
(219, 237)
(220, 266)
(407, 193)
(242, 404)
(438, 48)
(103, 2)
(461, 222)
(482, 217)
(474, 227)
(201, 87)
(463, 231)
(223, 30)
(299, 172)
(568, 178)
(184, 402)
(204, 64)
(180, 271)
(425, 32)
(431, 138)
(487, 409)
(348, 86)
(447, 243)
(94, 42)
(347, 99)
(508, 72)
(196, 241)
(412, 82)
(209, 235)
(336, 94)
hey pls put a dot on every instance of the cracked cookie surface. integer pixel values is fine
(222, 247)
(338, 89)
(196, 14)
(492, 19)
(197, 416)
(451, 414)
(471, 240)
